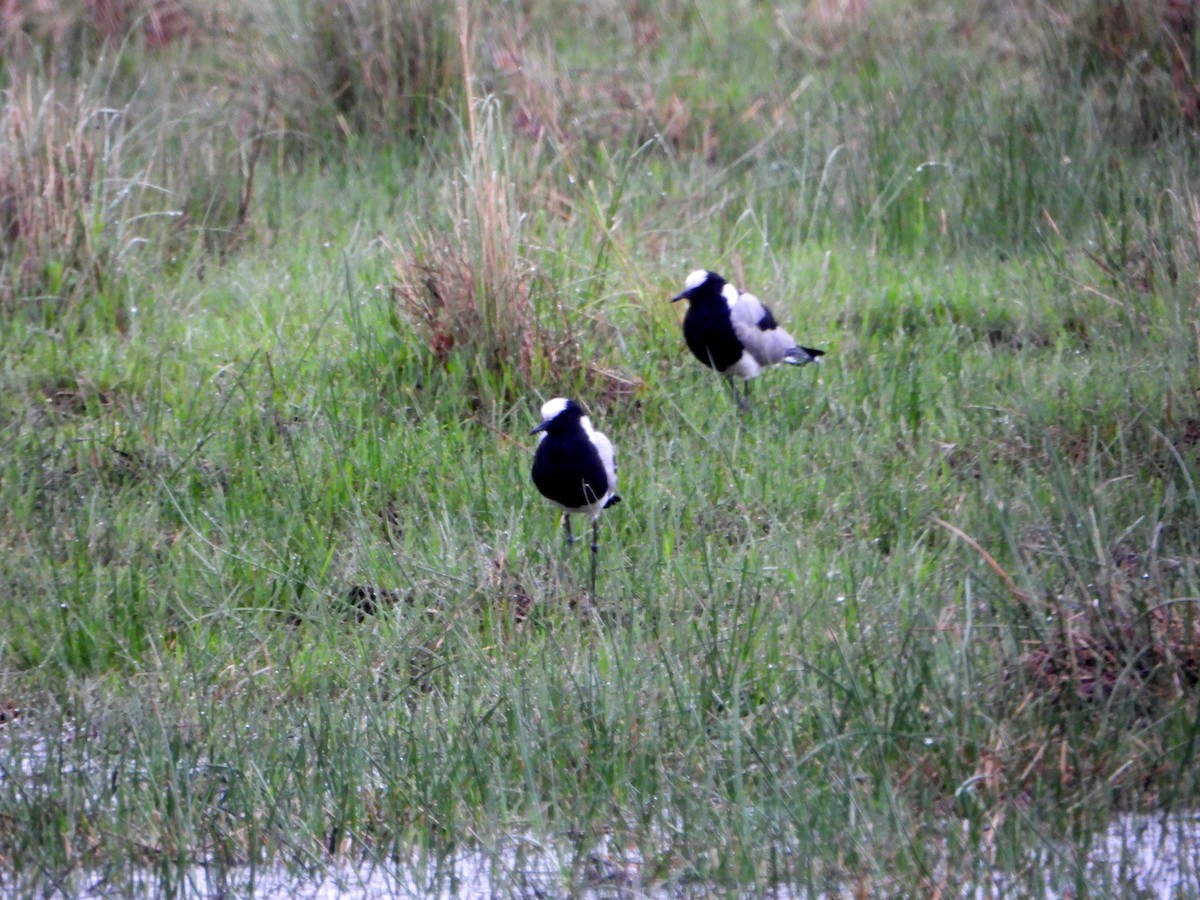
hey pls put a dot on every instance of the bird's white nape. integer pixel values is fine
(695, 279)
(552, 408)
(730, 293)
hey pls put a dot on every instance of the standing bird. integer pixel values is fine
(733, 332)
(574, 467)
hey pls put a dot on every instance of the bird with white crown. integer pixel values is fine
(574, 467)
(733, 332)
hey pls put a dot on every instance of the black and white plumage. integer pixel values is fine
(733, 332)
(574, 467)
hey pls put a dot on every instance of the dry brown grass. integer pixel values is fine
(71, 32)
(497, 321)
(469, 287)
(473, 288)
(95, 173)
(465, 307)
(567, 110)
(1108, 628)
(1111, 632)
(49, 163)
(1139, 54)
(341, 69)
(1149, 659)
(385, 65)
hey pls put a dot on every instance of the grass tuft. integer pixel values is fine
(1141, 56)
(47, 177)
(349, 69)
(475, 291)
(472, 313)
(67, 38)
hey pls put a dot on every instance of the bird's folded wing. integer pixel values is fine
(749, 310)
(758, 331)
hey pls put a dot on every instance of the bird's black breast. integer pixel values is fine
(709, 333)
(567, 470)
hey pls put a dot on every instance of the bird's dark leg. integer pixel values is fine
(743, 399)
(733, 390)
(567, 526)
(595, 551)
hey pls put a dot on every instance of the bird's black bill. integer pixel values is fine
(541, 427)
(679, 296)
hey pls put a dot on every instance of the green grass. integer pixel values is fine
(926, 615)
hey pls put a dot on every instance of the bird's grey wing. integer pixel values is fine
(759, 333)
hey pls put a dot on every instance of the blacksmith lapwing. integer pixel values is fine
(733, 332)
(574, 467)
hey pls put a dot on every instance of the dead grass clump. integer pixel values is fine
(1116, 636)
(79, 204)
(373, 68)
(67, 398)
(1140, 53)
(1147, 660)
(1110, 635)
(71, 192)
(69, 35)
(474, 296)
(489, 322)
(483, 314)
(469, 288)
(582, 109)
(49, 187)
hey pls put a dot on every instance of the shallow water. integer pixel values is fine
(1156, 855)
(1137, 855)
(520, 867)
(1145, 855)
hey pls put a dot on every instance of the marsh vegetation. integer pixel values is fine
(283, 285)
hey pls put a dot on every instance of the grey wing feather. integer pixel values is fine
(769, 346)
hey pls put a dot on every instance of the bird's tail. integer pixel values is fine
(799, 356)
(612, 501)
